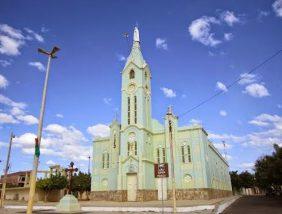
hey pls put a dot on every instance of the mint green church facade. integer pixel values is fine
(123, 163)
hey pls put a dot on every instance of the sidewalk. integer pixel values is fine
(183, 206)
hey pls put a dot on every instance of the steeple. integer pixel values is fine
(135, 55)
(136, 35)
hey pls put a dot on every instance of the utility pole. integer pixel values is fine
(32, 183)
(6, 171)
(169, 116)
(224, 146)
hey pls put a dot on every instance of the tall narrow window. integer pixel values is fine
(158, 155)
(183, 154)
(108, 160)
(164, 158)
(135, 148)
(103, 160)
(189, 154)
(131, 74)
(114, 141)
(135, 109)
(146, 75)
(128, 110)
(128, 148)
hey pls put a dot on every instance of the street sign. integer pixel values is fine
(161, 170)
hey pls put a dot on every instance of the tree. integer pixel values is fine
(235, 181)
(54, 182)
(81, 183)
(246, 179)
(268, 170)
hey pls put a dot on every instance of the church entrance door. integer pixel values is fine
(131, 187)
(162, 188)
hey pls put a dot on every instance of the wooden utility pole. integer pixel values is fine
(169, 116)
(6, 171)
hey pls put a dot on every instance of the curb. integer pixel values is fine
(124, 209)
(221, 207)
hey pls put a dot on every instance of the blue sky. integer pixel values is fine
(194, 49)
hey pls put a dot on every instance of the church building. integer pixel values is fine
(123, 163)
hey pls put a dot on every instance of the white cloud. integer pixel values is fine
(220, 146)
(262, 13)
(221, 86)
(7, 101)
(59, 115)
(12, 32)
(107, 100)
(65, 142)
(37, 65)
(230, 18)
(15, 111)
(27, 119)
(10, 46)
(256, 90)
(50, 162)
(168, 92)
(228, 36)
(5, 63)
(223, 113)
(99, 130)
(195, 121)
(271, 133)
(247, 165)
(3, 82)
(121, 57)
(6, 118)
(200, 30)
(11, 39)
(277, 7)
(36, 36)
(266, 120)
(161, 43)
(246, 78)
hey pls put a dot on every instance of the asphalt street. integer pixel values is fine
(255, 205)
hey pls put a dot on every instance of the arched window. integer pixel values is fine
(135, 109)
(131, 74)
(115, 140)
(186, 154)
(146, 75)
(105, 160)
(128, 110)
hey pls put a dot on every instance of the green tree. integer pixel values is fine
(268, 170)
(54, 182)
(247, 179)
(235, 181)
(81, 182)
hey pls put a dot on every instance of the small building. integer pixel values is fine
(123, 163)
(17, 179)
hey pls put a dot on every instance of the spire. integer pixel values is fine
(135, 55)
(136, 35)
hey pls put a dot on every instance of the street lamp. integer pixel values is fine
(51, 55)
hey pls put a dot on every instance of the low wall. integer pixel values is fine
(151, 195)
(21, 194)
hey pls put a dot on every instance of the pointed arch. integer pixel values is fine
(131, 74)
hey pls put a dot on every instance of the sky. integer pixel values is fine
(194, 49)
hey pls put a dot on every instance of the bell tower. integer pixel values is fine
(136, 88)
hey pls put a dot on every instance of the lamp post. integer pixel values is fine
(6, 171)
(51, 55)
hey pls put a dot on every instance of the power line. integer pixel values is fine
(232, 83)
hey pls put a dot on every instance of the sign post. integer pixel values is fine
(161, 171)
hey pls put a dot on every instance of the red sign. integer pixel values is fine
(161, 170)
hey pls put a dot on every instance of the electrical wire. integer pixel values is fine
(232, 83)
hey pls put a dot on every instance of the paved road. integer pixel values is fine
(255, 205)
